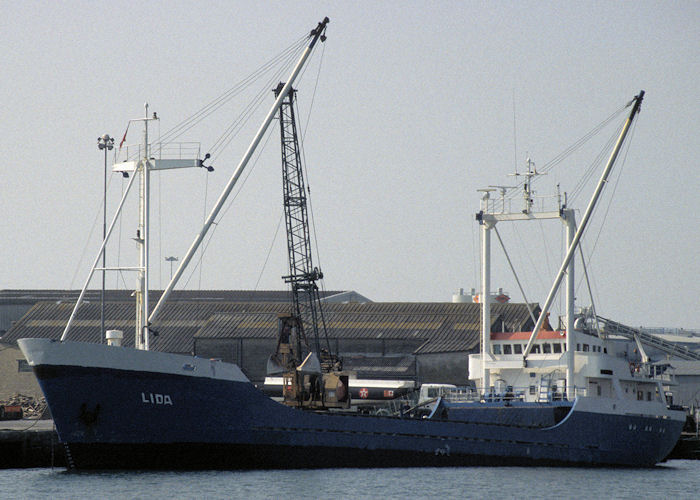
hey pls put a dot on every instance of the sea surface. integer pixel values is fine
(677, 479)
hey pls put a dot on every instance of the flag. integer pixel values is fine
(124, 138)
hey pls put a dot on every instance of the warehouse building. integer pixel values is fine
(424, 342)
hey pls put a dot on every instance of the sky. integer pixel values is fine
(408, 108)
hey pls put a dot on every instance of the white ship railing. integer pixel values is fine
(511, 204)
(162, 151)
(477, 395)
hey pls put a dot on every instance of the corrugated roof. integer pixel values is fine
(32, 296)
(444, 327)
(176, 325)
(441, 327)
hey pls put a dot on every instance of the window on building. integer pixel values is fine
(649, 396)
(546, 348)
(586, 348)
(23, 366)
(517, 348)
(556, 347)
(578, 347)
(496, 348)
(536, 349)
(532, 389)
(507, 349)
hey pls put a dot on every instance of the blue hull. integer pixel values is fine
(111, 418)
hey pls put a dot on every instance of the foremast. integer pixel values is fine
(142, 337)
(146, 159)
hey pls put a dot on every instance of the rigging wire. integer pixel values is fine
(222, 99)
(595, 164)
(204, 218)
(160, 230)
(227, 96)
(590, 290)
(229, 204)
(475, 260)
(269, 251)
(249, 110)
(98, 212)
(529, 257)
(614, 189)
(546, 252)
(160, 218)
(514, 191)
(304, 162)
(221, 143)
(515, 275)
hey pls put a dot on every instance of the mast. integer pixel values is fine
(142, 241)
(569, 218)
(141, 169)
(584, 221)
(318, 32)
(485, 297)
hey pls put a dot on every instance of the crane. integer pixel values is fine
(312, 373)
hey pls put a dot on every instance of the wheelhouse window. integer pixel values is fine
(496, 348)
(556, 347)
(546, 348)
(536, 349)
(517, 349)
(507, 349)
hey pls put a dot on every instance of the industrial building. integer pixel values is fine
(424, 342)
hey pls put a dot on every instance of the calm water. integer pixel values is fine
(678, 479)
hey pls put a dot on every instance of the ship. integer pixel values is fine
(117, 407)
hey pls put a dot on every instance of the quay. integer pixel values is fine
(29, 443)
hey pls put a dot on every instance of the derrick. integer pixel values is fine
(311, 372)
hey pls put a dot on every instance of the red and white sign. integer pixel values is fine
(364, 393)
(388, 393)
